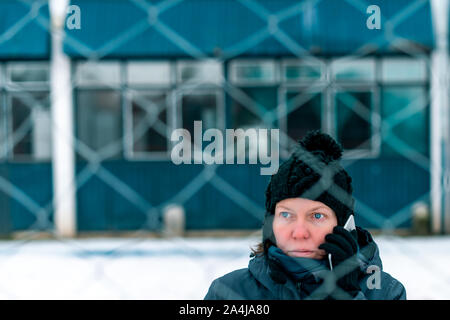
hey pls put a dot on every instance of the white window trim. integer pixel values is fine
(425, 66)
(129, 153)
(234, 64)
(148, 85)
(356, 60)
(26, 85)
(298, 62)
(181, 64)
(79, 83)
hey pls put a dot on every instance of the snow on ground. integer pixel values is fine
(181, 268)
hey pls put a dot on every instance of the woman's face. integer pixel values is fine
(300, 226)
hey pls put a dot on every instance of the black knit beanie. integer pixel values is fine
(312, 172)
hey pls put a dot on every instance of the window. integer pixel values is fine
(354, 110)
(147, 103)
(157, 74)
(253, 72)
(26, 118)
(30, 128)
(303, 112)
(354, 126)
(339, 96)
(149, 122)
(97, 74)
(404, 106)
(203, 72)
(28, 73)
(295, 71)
(147, 99)
(405, 119)
(403, 69)
(202, 106)
(352, 70)
(98, 108)
(346, 97)
(203, 102)
(99, 121)
(249, 106)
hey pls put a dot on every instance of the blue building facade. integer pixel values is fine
(140, 69)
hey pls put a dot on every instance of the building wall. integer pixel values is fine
(231, 64)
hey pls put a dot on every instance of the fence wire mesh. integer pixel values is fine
(115, 120)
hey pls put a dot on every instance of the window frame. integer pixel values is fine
(9, 90)
(27, 84)
(286, 62)
(426, 71)
(76, 109)
(10, 154)
(181, 64)
(129, 153)
(318, 88)
(351, 60)
(375, 125)
(218, 92)
(400, 85)
(235, 63)
(149, 85)
(80, 84)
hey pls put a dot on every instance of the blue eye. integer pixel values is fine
(285, 214)
(318, 216)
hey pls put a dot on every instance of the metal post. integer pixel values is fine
(64, 189)
(440, 143)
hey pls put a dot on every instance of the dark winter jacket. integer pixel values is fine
(263, 279)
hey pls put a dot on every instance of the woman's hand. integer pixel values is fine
(343, 247)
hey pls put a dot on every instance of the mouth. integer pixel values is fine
(301, 253)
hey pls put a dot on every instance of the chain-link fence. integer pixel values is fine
(93, 91)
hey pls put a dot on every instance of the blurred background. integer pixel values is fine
(91, 205)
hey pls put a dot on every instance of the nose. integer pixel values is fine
(300, 231)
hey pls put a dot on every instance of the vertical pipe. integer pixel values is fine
(64, 189)
(439, 115)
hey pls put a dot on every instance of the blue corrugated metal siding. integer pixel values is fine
(24, 29)
(34, 180)
(101, 207)
(5, 212)
(384, 186)
(207, 27)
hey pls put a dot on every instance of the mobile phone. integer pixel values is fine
(349, 226)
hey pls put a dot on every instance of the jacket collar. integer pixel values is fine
(272, 276)
(300, 269)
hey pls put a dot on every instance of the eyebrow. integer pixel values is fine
(319, 207)
(285, 208)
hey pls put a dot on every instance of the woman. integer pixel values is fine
(310, 249)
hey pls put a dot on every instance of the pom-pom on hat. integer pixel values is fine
(312, 172)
